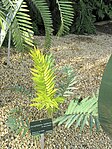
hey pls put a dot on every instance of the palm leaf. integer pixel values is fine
(47, 19)
(22, 30)
(43, 77)
(81, 114)
(2, 18)
(10, 16)
(66, 15)
(19, 22)
(7, 4)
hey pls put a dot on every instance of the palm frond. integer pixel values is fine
(7, 4)
(83, 113)
(66, 15)
(19, 21)
(11, 13)
(67, 82)
(47, 19)
(2, 19)
(43, 77)
(22, 29)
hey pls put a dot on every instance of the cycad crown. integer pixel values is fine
(43, 77)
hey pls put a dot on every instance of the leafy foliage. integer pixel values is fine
(43, 77)
(2, 18)
(47, 19)
(85, 18)
(18, 122)
(102, 8)
(22, 29)
(66, 15)
(81, 113)
(89, 11)
(67, 82)
(19, 22)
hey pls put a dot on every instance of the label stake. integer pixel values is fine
(42, 141)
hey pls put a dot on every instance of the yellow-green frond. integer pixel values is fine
(44, 82)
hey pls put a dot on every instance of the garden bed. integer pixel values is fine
(88, 56)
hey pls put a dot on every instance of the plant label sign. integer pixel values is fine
(41, 126)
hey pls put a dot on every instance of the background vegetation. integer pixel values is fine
(86, 12)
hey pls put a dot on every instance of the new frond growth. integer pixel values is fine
(44, 80)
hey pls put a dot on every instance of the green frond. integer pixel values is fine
(7, 4)
(66, 15)
(44, 81)
(67, 82)
(22, 30)
(2, 19)
(43, 8)
(19, 22)
(85, 112)
(11, 13)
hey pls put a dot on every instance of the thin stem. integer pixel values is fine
(9, 43)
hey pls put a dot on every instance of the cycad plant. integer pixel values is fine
(44, 81)
(20, 24)
(81, 113)
(48, 97)
(67, 82)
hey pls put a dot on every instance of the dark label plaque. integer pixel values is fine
(41, 126)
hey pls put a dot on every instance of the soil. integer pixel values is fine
(88, 55)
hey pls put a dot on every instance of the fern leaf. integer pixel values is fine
(66, 15)
(47, 19)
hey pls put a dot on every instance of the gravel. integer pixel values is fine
(88, 56)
